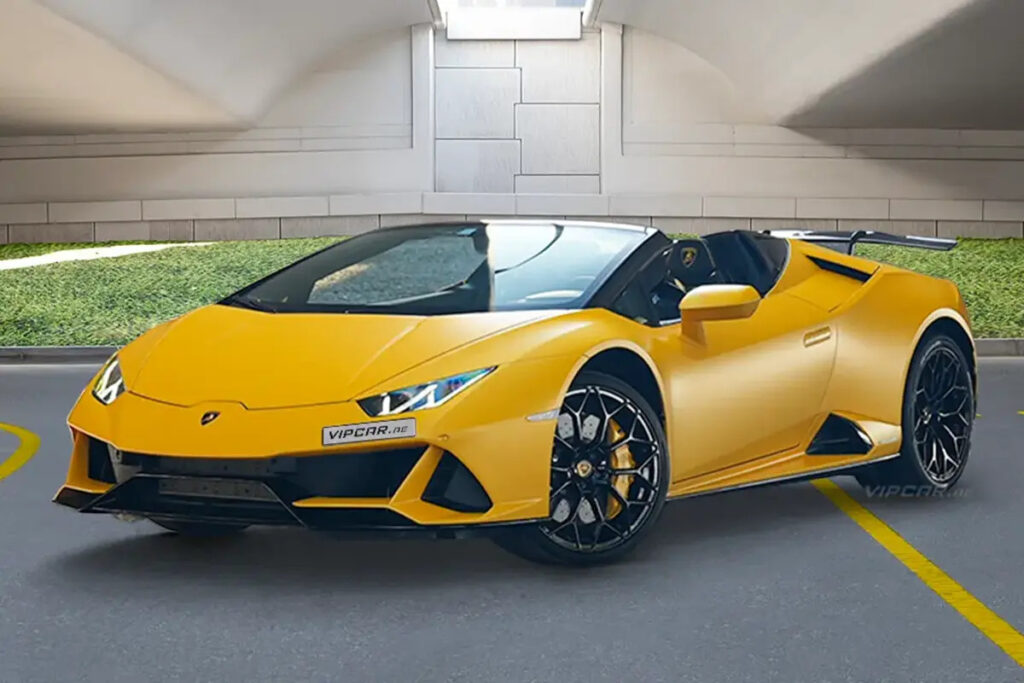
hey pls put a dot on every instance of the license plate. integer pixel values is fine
(369, 431)
(234, 489)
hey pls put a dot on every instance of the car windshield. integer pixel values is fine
(444, 269)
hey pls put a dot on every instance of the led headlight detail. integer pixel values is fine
(110, 384)
(420, 396)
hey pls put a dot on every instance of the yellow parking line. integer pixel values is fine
(29, 446)
(994, 627)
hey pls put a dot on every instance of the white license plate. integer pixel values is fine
(216, 488)
(369, 431)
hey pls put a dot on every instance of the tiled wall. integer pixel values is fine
(518, 116)
(617, 124)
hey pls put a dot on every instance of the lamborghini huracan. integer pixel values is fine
(549, 384)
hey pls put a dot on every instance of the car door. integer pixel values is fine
(745, 389)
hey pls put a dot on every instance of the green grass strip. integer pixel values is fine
(113, 300)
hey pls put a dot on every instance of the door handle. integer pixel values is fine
(817, 336)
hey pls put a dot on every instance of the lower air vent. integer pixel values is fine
(839, 436)
(454, 487)
(100, 467)
(367, 474)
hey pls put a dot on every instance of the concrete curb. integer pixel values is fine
(1000, 347)
(55, 354)
(97, 354)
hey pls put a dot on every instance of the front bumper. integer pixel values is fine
(476, 461)
(350, 491)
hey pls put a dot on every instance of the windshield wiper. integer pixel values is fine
(250, 303)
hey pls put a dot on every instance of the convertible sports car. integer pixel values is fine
(550, 384)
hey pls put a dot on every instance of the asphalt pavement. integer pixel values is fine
(772, 584)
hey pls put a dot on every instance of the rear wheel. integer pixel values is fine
(609, 475)
(199, 529)
(938, 414)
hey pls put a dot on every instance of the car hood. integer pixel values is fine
(276, 360)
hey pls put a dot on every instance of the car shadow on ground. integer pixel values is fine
(698, 531)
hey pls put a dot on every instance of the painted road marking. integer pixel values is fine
(29, 446)
(994, 627)
(91, 253)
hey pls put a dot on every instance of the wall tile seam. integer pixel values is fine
(475, 68)
(477, 139)
(237, 150)
(924, 202)
(806, 135)
(404, 140)
(934, 225)
(257, 134)
(678, 148)
(557, 104)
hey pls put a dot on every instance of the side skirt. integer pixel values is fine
(791, 479)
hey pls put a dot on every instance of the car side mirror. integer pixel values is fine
(718, 302)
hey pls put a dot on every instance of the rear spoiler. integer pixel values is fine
(846, 241)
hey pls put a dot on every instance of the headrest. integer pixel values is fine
(691, 263)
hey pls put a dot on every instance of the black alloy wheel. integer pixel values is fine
(943, 413)
(609, 475)
(938, 415)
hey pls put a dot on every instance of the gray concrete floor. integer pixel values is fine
(765, 585)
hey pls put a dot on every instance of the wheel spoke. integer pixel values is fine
(614, 530)
(576, 532)
(614, 493)
(954, 442)
(599, 521)
(556, 492)
(933, 462)
(636, 470)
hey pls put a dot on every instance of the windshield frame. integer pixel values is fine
(240, 298)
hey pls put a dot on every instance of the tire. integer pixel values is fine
(609, 477)
(938, 415)
(199, 529)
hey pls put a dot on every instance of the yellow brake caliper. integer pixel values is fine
(622, 459)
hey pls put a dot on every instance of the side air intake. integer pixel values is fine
(839, 436)
(840, 269)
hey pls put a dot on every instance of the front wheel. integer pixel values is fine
(938, 415)
(609, 476)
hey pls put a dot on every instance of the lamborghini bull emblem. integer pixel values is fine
(689, 256)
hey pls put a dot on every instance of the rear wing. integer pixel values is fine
(846, 241)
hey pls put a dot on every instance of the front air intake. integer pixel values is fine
(454, 487)
(99, 466)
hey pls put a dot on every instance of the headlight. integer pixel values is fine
(110, 384)
(420, 396)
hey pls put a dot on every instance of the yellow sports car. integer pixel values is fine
(550, 384)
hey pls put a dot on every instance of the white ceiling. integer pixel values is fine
(887, 63)
(89, 65)
(783, 55)
(71, 65)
